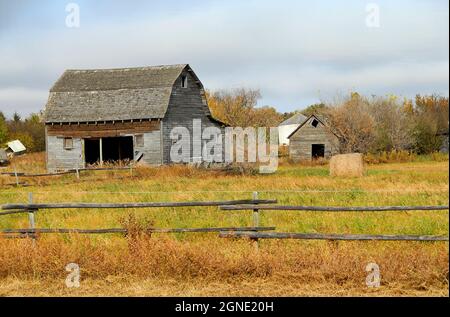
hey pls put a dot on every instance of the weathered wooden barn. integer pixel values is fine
(311, 140)
(94, 116)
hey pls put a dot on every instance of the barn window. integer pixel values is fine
(184, 81)
(139, 140)
(315, 123)
(68, 143)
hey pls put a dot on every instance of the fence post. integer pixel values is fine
(78, 173)
(31, 215)
(255, 220)
(17, 177)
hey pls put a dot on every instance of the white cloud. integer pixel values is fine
(22, 100)
(294, 52)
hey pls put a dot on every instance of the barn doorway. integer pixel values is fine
(112, 149)
(318, 151)
(92, 151)
(117, 149)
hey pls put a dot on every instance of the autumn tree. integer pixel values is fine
(431, 115)
(237, 108)
(31, 131)
(353, 124)
(3, 129)
(393, 124)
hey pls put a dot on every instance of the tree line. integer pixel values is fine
(30, 131)
(363, 124)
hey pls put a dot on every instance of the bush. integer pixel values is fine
(389, 157)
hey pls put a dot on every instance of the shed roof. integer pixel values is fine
(112, 94)
(295, 119)
(16, 146)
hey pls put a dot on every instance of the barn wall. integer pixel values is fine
(185, 105)
(151, 148)
(59, 158)
(102, 129)
(302, 141)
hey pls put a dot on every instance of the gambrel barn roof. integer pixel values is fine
(113, 94)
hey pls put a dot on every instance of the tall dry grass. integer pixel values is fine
(411, 265)
(205, 259)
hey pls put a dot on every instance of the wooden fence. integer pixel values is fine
(76, 171)
(255, 236)
(32, 208)
(254, 232)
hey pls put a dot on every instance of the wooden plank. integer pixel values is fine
(320, 236)
(135, 205)
(123, 230)
(71, 171)
(102, 130)
(334, 209)
(15, 236)
(10, 212)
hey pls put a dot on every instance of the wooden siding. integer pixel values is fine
(102, 130)
(59, 158)
(185, 105)
(151, 148)
(301, 141)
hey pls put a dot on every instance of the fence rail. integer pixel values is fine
(18, 208)
(76, 171)
(125, 231)
(254, 233)
(70, 171)
(333, 209)
(321, 236)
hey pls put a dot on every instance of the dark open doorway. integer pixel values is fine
(114, 149)
(92, 151)
(318, 151)
(117, 149)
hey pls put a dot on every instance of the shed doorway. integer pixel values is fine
(111, 150)
(317, 151)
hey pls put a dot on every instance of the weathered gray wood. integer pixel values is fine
(135, 205)
(31, 211)
(320, 236)
(123, 230)
(186, 104)
(71, 171)
(333, 209)
(15, 236)
(11, 212)
(301, 141)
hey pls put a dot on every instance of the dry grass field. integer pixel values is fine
(194, 264)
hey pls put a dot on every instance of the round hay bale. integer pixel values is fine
(347, 165)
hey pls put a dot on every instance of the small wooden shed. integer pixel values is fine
(313, 139)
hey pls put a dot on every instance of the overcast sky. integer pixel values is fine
(296, 53)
